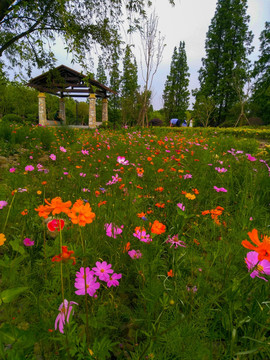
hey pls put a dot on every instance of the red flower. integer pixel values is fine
(64, 256)
(56, 225)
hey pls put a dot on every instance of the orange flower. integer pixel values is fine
(121, 186)
(160, 170)
(2, 239)
(24, 212)
(64, 256)
(126, 247)
(160, 189)
(195, 191)
(158, 228)
(263, 248)
(170, 273)
(81, 214)
(102, 203)
(43, 211)
(190, 196)
(142, 214)
(57, 206)
(97, 193)
(160, 205)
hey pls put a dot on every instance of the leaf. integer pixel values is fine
(17, 247)
(10, 294)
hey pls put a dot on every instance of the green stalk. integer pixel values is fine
(10, 206)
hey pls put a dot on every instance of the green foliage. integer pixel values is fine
(228, 44)
(10, 118)
(176, 94)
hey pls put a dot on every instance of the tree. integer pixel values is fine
(129, 87)
(260, 101)
(152, 46)
(114, 102)
(101, 78)
(176, 94)
(204, 107)
(27, 27)
(228, 44)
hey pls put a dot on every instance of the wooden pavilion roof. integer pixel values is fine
(64, 81)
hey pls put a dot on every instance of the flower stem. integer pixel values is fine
(10, 206)
(85, 287)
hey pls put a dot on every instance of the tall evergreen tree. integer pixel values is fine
(114, 101)
(228, 44)
(101, 78)
(176, 94)
(129, 88)
(261, 72)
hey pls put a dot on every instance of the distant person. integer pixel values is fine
(174, 122)
(184, 123)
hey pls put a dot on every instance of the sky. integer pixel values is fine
(187, 21)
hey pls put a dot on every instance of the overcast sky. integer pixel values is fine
(187, 21)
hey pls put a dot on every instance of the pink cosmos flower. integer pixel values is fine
(221, 170)
(102, 270)
(181, 206)
(113, 280)
(113, 230)
(52, 157)
(220, 189)
(65, 310)
(28, 242)
(85, 152)
(257, 267)
(135, 254)
(62, 149)
(12, 170)
(251, 158)
(142, 236)
(29, 168)
(174, 241)
(91, 282)
(187, 176)
(122, 160)
(3, 203)
(82, 174)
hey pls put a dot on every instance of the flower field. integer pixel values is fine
(134, 244)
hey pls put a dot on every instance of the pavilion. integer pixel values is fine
(65, 82)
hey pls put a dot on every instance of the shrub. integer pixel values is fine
(12, 118)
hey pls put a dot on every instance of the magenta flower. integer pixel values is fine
(85, 152)
(91, 282)
(28, 242)
(3, 203)
(52, 157)
(142, 236)
(65, 310)
(62, 149)
(221, 170)
(257, 267)
(181, 206)
(174, 241)
(113, 230)
(251, 158)
(188, 176)
(29, 168)
(12, 170)
(135, 254)
(102, 270)
(82, 174)
(122, 160)
(220, 189)
(113, 280)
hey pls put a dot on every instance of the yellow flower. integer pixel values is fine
(39, 192)
(2, 239)
(190, 196)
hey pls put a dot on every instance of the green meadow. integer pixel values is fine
(127, 244)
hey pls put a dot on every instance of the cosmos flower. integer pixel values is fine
(158, 228)
(28, 242)
(220, 189)
(262, 248)
(86, 279)
(65, 256)
(113, 230)
(122, 160)
(102, 270)
(52, 157)
(113, 280)
(65, 310)
(29, 168)
(257, 267)
(135, 254)
(3, 203)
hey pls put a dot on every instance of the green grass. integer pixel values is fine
(209, 309)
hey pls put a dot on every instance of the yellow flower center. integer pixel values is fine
(260, 268)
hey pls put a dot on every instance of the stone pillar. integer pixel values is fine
(104, 110)
(62, 110)
(92, 111)
(42, 118)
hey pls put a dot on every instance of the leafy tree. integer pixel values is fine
(228, 44)
(260, 101)
(204, 107)
(129, 88)
(176, 94)
(28, 26)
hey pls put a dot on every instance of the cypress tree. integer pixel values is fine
(129, 88)
(176, 94)
(114, 101)
(261, 72)
(228, 44)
